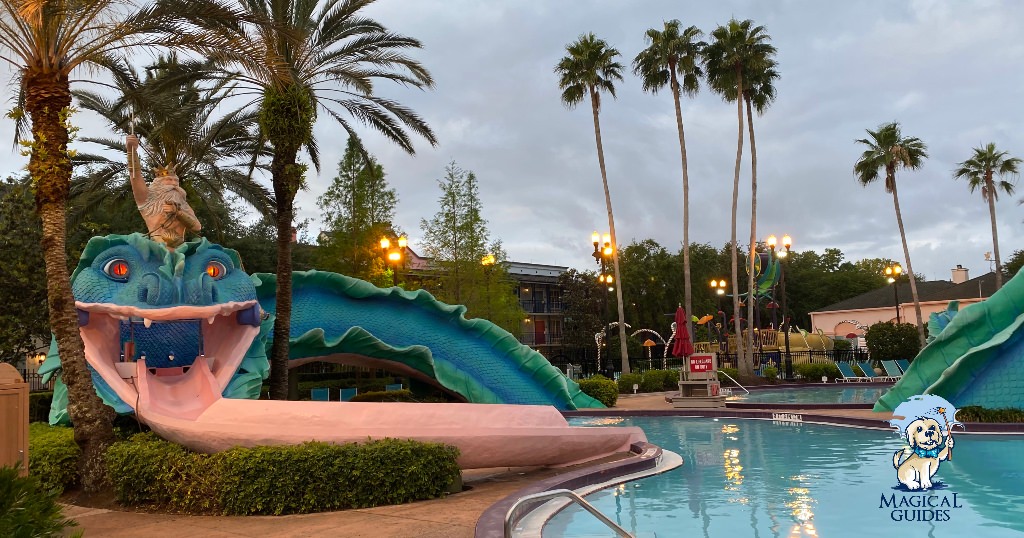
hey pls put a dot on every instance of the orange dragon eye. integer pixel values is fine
(117, 269)
(216, 270)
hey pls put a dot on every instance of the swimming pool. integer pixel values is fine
(759, 478)
(823, 394)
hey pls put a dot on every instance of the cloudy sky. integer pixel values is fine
(949, 72)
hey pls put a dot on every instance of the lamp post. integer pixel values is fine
(603, 251)
(781, 254)
(892, 273)
(488, 263)
(394, 256)
(719, 287)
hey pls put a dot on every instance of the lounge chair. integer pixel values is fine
(320, 394)
(892, 370)
(869, 372)
(904, 364)
(847, 372)
(389, 388)
(348, 394)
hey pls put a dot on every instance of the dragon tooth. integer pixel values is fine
(211, 319)
(147, 322)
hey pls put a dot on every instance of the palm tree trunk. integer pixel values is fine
(745, 367)
(910, 268)
(687, 297)
(752, 297)
(611, 231)
(283, 168)
(995, 232)
(50, 168)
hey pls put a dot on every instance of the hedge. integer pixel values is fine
(813, 371)
(306, 478)
(53, 456)
(601, 389)
(975, 413)
(403, 395)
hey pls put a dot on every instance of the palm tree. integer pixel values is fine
(673, 54)
(296, 58)
(588, 69)
(45, 41)
(889, 150)
(739, 50)
(986, 162)
(176, 117)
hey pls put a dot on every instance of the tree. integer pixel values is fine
(736, 51)
(987, 162)
(888, 150)
(588, 69)
(359, 208)
(23, 319)
(673, 54)
(296, 58)
(457, 239)
(1014, 264)
(582, 299)
(44, 42)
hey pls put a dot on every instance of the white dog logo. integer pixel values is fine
(925, 422)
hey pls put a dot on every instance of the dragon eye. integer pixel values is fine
(117, 269)
(216, 270)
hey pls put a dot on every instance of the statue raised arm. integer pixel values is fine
(162, 203)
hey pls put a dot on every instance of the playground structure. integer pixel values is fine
(179, 337)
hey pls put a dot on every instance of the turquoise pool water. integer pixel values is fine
(824, 394)
(757, 478)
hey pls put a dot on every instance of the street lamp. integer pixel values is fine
(394, 255)
(719, 287)
(892, 273)
(780, 254)
(603, 251)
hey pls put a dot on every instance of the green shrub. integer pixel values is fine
(311, 477)
(814, 371)
(626, 382)
(842, 345)
(28, 508)
(53, 456)
(659, 380)
(385, 396)
(770, 373)
(975, 413)
(601, 389)
(891, 341)
(39, 406)
(734, 372)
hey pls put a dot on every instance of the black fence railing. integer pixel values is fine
(35, 382)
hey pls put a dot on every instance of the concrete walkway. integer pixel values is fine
(453, 516)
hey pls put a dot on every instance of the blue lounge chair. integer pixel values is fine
(869, 372)
(892, 370)
(847, 372)
(348, 394)
(904, 364)
(389, 388)
(320, 394)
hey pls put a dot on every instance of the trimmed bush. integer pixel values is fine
(891, 341)
(976, 413)
(53, 456)
(659, 380)
(39, 406)
(770, 373)
(385, 396)
(27, 508)
(813, 371)
(626, 382)
(601, 389)
(311, 477)
(842, 345)
(734, 372)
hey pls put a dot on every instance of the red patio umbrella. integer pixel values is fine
(682, 347)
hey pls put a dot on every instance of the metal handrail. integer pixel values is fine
(734, 381)
(571, 495)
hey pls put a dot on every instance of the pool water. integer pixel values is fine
(761, 478)
(824, 394)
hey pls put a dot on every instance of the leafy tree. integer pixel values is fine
(359, 208)
(23, 319)
(457, 239)
(297, 58)
(891, 341)
(1013, 265)
(987, 162)
(673, 54)
(739, 50)
(588, 69)
(888, 150)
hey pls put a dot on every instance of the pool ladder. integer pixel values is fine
(734, 381)
(552, 494)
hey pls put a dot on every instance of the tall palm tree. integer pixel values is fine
(295, 58)
(588, 69)
(176, 116)
(979, 170)
(739, 50)
(44, 42)
(888, 150)
(673, 54)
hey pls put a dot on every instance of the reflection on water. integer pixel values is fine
(753, 478)
(824, 394)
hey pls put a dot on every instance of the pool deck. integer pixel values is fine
(453, 516)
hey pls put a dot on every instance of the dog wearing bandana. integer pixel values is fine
(917, 463)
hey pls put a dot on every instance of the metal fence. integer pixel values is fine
(35, 382)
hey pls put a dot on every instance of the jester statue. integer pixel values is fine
(162, 203)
